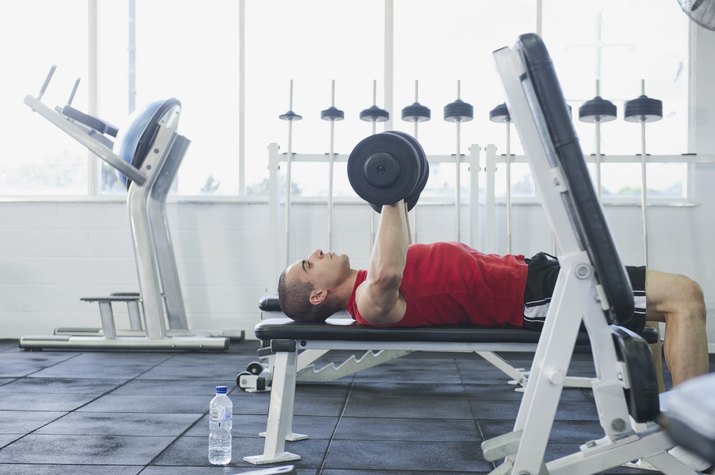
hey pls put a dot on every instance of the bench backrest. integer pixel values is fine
(586, 215)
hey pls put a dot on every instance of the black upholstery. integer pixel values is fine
(135, 141)
(348, 330)
(544, 92)
(642, 396)
(269, 303)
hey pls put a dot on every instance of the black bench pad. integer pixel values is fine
(348, 330)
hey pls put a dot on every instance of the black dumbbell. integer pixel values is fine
(387, 167)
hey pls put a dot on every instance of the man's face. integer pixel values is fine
(323, 270)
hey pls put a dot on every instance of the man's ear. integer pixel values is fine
(318, 296)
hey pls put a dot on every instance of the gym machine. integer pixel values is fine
(149, 153)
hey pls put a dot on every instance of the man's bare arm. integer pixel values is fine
(378, 298)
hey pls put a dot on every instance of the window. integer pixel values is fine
(186, 50)
(439, 43)
(154, 49)
(621, 42)
(312, 43)
(37, 158)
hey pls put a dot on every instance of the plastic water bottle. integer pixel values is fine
(220, 422)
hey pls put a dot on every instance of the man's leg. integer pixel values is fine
(678, 301)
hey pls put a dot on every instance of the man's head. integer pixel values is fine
(307, 289)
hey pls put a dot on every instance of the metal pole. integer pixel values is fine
(330, 173)
(457, 200)
(644, 188)
(508, 186)
(288, 177)
(598, 145)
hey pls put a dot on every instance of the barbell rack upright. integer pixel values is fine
(458, 112)
(290, 117)
(415, 113)
(643, 109)
(374, 114)
(331, 114)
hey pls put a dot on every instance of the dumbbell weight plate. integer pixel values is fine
(384, 168)
(414, 195)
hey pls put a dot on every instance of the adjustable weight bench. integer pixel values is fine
(258, 375)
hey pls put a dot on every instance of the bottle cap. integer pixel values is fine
(221, 389)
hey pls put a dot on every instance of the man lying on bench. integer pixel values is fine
(452, 284)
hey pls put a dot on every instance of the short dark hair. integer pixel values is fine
(294, 299)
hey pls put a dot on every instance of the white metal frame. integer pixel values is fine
(577, 292)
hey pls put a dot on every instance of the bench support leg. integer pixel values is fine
(280, 412)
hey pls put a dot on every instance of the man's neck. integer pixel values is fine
(346, 288)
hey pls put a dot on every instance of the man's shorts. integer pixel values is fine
(541, 281)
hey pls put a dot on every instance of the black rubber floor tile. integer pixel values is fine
(157, 470)
(7, 438)
(304, 406)
(567, 410)
(318, 406)
(315, 427)
(339, 388)
(410, 371)
(508, 392)
(193, 451)
(419, 430)
(94, 370)
(22, 364)
(561, 431)
(164, 404)
(392, 455)
(395, 472)
(39, 401)
(505, 410)
(214, 367)
(92, 449)
(37, 469)
(154, 387)
(81, 423)
(493, 392)
(393, 389)
(494, 428)
(408, 407)
(25, 421)
(4, 381)
(35, 385)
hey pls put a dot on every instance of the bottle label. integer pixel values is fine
(220, 414)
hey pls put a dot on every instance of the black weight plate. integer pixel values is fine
(414, 195)
(379, 155)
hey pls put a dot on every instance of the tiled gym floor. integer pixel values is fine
(145, 412)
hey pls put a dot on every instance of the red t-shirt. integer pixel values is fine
(453, 284)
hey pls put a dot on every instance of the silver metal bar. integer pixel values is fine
(84, 135)
(123, 343)
(141, 228)
(161, 236)
(51, 73)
